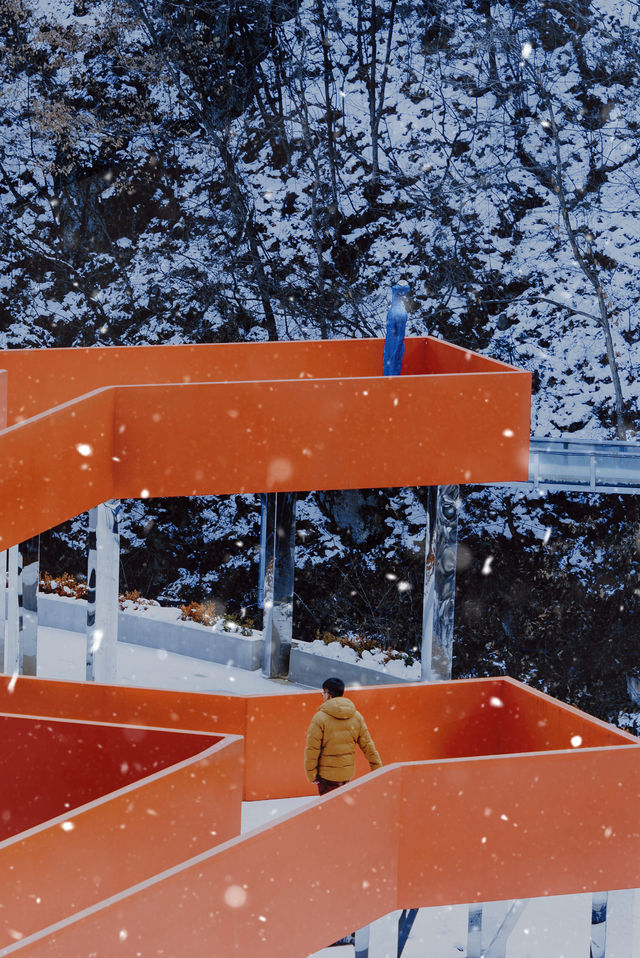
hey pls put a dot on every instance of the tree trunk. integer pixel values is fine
(588, 267)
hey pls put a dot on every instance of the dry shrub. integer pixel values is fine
(360, 644)
(64, 584)
(206, 613)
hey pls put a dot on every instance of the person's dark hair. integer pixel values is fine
(335, 687)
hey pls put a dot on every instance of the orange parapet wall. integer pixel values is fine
(490, 791)
(90, 809)
(85, 425)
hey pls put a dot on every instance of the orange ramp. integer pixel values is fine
(422, 834)
(409, 722)
(490, 790)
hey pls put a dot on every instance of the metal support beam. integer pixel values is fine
(439, 583)
(598, 925)
(14, 610)
(278, 574)
(28, 595)
(474, 932)
(405, 924)
(102, 601)
(263, 546)
(489, 927)
(21, 643)
(3, 605)
(498, 944)
(361, 942)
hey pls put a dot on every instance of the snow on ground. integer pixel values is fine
(61, 655)
(548, 928)
(376, 659)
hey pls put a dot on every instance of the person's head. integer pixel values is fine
(333, 688)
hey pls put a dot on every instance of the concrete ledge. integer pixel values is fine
(185, 638)
(310, 669)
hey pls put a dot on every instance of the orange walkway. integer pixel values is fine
(490, 791)
(86, 425)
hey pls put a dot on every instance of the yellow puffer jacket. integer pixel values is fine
(330, 751)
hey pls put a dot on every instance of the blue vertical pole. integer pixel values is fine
(394, 338)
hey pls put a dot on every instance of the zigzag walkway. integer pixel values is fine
(490, 791)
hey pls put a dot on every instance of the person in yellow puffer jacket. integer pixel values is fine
(334, 732)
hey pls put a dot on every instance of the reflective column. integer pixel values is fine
(28, 595)
(278, 566)
(12, 643)
(598, 925)
(405, 924)
(361, 942)
(439, 583)
(3, 606)
(102, 599)
(474, 932)
(490, 925)
(615, 922)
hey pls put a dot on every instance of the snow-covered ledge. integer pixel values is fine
(313, 662)
(159, 628)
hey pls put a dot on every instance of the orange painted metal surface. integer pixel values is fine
(125, 836)
(490, 790)
(86, 425)
(40, 379)
(74, 763)
(444, 720)
(407, 836)
(520, 826)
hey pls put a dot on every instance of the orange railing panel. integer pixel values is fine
(43, 378)
(45, 478)
(74, 763)
(520, 826)
(494, 798)
(126, 836)
(413, 722)
(284, 890)
(252, 417)
(423, 834)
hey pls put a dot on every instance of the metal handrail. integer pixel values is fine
(578, 465)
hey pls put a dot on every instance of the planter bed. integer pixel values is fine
(310, 665)
(159, 628)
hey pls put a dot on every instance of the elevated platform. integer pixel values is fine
(490, 791)
(88, 425)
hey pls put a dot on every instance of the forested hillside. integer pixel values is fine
(239, 170)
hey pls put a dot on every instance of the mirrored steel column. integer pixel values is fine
(263, 547)
(598, 925)
(3, 605)
(497, 947)
(405, 924)
(619, 932)
(490, 925)
(280, 521)
(361, 942)
(102, 600)
(474, 932)
(12, 641)
(439, 583)
(28, 595)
